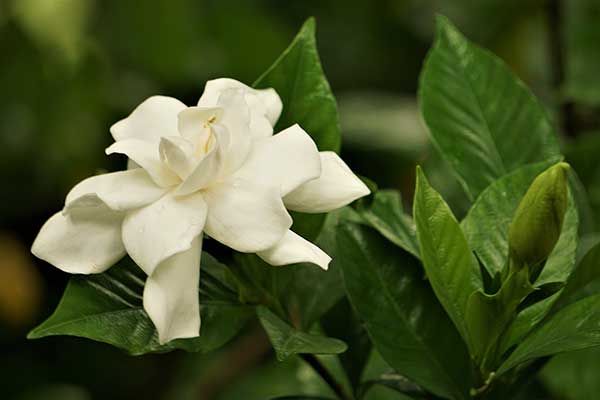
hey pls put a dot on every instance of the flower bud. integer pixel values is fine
(537, 223)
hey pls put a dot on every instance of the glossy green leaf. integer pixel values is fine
(404, 319)
(298, 78)
(479, 112)
(398, 383)
(343, 323)
(108, 308)
(577, 326)
(301, 397)
(585, 281)
(288, 341)
(486, 228)
(573, 375)
(487, 222)
(303, 291)
(449, 263)
(385, 214)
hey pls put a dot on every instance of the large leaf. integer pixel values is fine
(342, 322)
(405, 321)
(315, 291)
(304, 291)
(575, 327)
(482, 118)
(288, 341)
(298, 78)
(486, 228)
(385, 214)
(449, 263)
(108, 308)
(574, 375)
(487, 222)
(585, 281)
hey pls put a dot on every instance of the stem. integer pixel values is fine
(554, 11)
(327, 377)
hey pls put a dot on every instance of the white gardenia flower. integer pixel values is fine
(215, 169)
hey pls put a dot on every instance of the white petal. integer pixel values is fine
(245, 216)
(265, 104)
(287, 159)
(167, 227)
(87, 241)
(146, 155)
(272, 102)
(177, 153)
(291, 249)
(214, 88)
(193, 123)
(336, 187)
(171, 295)
(120, 191)
(204, 173)
(236, 119)
(154, 118)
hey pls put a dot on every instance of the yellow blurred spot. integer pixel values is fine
(20, 283)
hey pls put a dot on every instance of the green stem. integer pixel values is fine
(314, 362)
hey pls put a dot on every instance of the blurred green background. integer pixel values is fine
(71, 68)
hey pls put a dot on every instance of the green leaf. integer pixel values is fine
(478, 112)
(398, 383)
(108, 308)
(585, 281)
(449, 263)
(342, 322)
(301, 397)
(288, 341)
(573, 375)
(303, 291)
(486, 228)
(487, 222)
(315, 291)
(298, 78)
(405, 321)
(488, 315)
(385, 214)
(577, 326)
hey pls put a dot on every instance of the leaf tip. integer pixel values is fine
(446, 29)
(309, 26)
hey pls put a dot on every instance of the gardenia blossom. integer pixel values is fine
(213, 170)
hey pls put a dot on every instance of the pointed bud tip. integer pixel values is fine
(537, 223)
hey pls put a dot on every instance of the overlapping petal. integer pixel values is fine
(171, 295)
(146, 155)
(287, 159)
(336, 187)
(178, 154)
(154, 118)
(265, 104)
(162, 229)
(120, 191)
(246, 216)
(85, 241)
(293, 248)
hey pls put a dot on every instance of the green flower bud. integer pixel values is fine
(537, 223)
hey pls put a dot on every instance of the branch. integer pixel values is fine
(327, 377)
